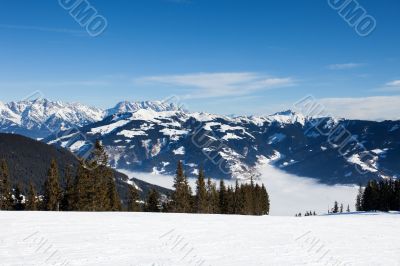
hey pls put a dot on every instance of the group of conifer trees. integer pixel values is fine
(243, 199)
(338, 209)
(379, 196)
(93, 188)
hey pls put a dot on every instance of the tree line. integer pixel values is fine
(241, 199)
(379, 196)
(93, 188)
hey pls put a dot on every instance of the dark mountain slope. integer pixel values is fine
(28, 159)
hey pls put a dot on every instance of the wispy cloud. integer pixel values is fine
(208, 85)
(345, 66)
(391, 86)
(394, 83)
(365, 108)
(44, 29)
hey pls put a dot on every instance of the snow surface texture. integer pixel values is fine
(289, 194)
(139, 239)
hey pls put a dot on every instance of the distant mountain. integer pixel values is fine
(232, 147)
(29, 160)
(158, 106)
(153, 136)
(40, 118)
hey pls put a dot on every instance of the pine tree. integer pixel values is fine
(95, 187)
(182, 195)
(341, 208)
(84, 190)
(102, 177)
(230, 200)
(6, 200)
(153, 201)
(115, 201)
(265, 201)
(238, 201)
(223, 205)
(335, 207)
(212, 197)
(68, 196)
(348, 208)
(52, 189)
(133, 200)
(370, 197)
(201, 203)
(31, 202)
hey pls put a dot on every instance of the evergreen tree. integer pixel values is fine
(153, 201)
(133, 200)
(6, 200)
(95, 187)
(212, 197)
(84, 190)
(230, 200)
(223, 205)
(31, 202)
(201, 203)
(335, 207)
(265, 201)
(348, 208)
(341, 208)
(52, 189)
(238, 200)
(359, 203)
(115, 201)
(182, 195)
(370, 197)
(68, 197)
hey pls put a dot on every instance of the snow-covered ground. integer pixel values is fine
(45, 238)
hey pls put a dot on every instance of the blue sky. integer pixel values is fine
(219, 56)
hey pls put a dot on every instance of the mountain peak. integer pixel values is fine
(287, 117)
(157, 106)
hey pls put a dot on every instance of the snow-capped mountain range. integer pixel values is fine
(153, 136)
(40, 118)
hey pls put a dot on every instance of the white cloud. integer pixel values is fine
(391, 86)
(290, 194)
(394, 83)
(366, 108)
(206, 85)
(345, 66)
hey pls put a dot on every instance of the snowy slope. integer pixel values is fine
(139, 239)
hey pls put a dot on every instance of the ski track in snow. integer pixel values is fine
(31, 238)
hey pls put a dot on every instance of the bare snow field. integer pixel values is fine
(145, 239)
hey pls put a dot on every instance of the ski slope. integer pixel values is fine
(45, 238)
